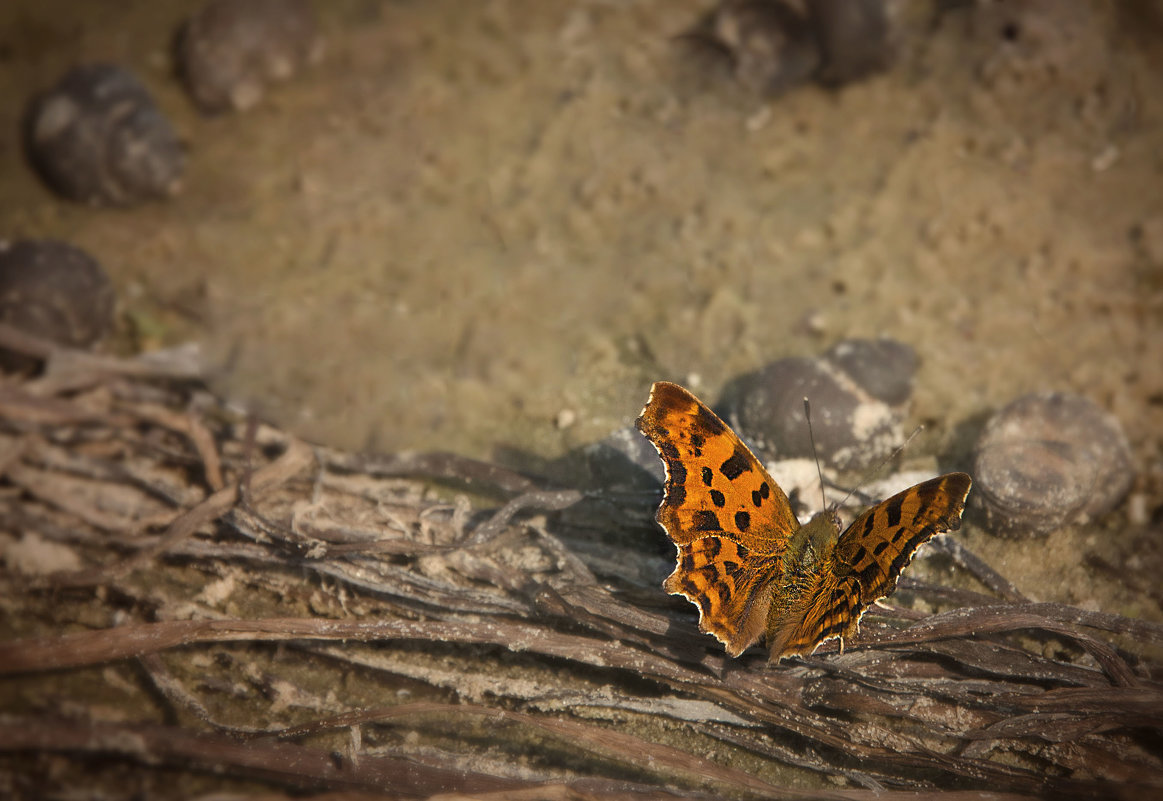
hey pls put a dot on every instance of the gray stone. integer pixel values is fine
(884, 368)
(97, 137)
(852, 429)
(1048, 460)
(55, 291)
(769, 46)
(854, 37)
(231, 50)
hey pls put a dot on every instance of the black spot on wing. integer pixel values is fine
(834, 621)
(906, 555)
(704, 520)
(718, 498)
(833, 629)
(708, 476)
(710, 422)
(893, 511)
(697, 441)
(711, 547)
(928, 491)
(859, 556)
(729, 566)
(879, 549)
(872, 577)
(760, 495)
(742, 521)
(736, 466)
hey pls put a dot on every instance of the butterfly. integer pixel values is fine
(744, 559)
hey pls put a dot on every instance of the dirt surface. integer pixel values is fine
(494, 224)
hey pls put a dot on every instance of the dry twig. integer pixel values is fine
(526, 648)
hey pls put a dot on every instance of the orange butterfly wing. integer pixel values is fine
(730, 520)
(867, 562)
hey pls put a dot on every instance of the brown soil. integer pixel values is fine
(472, 218)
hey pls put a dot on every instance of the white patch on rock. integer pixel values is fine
(870, 418)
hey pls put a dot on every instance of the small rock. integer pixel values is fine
(772, 47)
(1047, 460)
(230, 50)
(97, 137)
(769, 45)
(850, 390)
(55, 291)
(854, 39)
(624, 459)
(884, 368)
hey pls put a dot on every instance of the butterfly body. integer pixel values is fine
(744, 559)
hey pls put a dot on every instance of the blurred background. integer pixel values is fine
(498, 222)
(489, 226)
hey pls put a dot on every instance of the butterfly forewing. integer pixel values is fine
(881, 542)
(730, 520)
(733, 525)
(867, 563)
(714, 484)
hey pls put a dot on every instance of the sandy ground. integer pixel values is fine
(494, 224)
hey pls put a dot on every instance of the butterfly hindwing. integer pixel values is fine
(720, 577)
(831, 609)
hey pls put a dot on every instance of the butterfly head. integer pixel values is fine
(817, 537)
(827, 519)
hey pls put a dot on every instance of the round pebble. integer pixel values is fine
(55, 291)
(1048, 460)
(769, 45)
(853, 428)
(231, 50)
(97, 137)
(624, 459)
(884, 368)
(854, 39)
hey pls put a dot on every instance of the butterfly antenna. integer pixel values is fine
(880, 465)
(816, 456)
